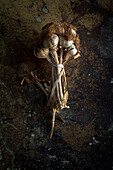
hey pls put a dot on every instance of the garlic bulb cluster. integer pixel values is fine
(58, 36)
(59, 45)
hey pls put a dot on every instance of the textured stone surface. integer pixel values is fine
(85, 140)
(108, 5)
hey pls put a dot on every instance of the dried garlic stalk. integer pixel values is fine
(59, 44)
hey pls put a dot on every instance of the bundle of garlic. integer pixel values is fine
(59, 44)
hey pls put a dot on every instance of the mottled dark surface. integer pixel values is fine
(85, 141)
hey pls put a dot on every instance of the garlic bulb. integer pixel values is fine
(41, 52)
(65, 43)
(51, 42)
(73, 51)
(72, 31)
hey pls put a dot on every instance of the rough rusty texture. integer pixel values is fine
(85, 141)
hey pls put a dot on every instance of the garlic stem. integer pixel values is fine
(61, 55)
(53, 122)
(60, 84)
(54, 87)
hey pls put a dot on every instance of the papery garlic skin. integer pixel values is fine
(73, 51)
(65, 43)
(41, 52)
(51, 42)
(72, 31)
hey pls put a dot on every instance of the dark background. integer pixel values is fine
(85, 141)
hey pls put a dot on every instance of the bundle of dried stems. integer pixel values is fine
(59, 44)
